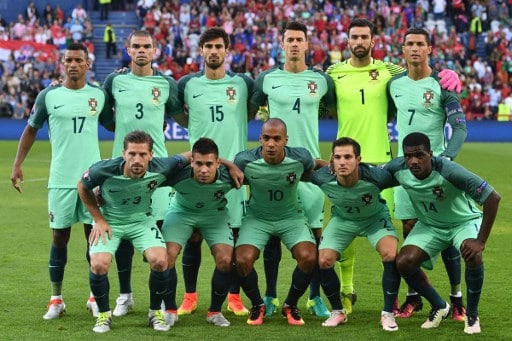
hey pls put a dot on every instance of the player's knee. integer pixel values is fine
(405, 263)
(158, 263)
(244, 263)
(223, 262)
(325, 261)
(61, 237)
(100, 265)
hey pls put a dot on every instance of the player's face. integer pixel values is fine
(344, 161)
(214, 53)
(415, 49)
(205, 167)
(418, 160)
(294, 45)
(76, 64)
(136, 157)
(360, 41)
(141, 50)
(273, 139)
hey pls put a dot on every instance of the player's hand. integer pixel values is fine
(263, 113)
(237, 175)
(471, 248)
(97, 194)
(122, 70)
(17, 178)
(56, 82)
(450, 81)
(100, 229)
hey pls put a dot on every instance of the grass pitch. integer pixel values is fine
(25, 287)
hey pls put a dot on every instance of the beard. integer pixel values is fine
(360, 52)
(215, 65)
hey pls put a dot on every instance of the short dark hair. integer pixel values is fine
(138, 137)
(347, 141)
(359, 22)
(140, 33)
(78, 47)
(214, 33)
(205, 146)
(295, 26)
(274, 121)
(418, 30)
(416, 139)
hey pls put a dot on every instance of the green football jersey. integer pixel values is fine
(128, 200)
(361, 201)
(362, 105)
(295, 98)
(196, 198)
(141, 103)
(274, 187)
(422, 106)
(444, 198)
(73, 117)
(217, 109)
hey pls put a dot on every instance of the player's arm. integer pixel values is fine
(100, 224)
(472, 248)
(457, 121)
(329, 99)
(258, 98)
(26, 141)
(392, 110)
(236, 174)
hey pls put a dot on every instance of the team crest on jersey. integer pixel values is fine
(367, 199)
(374, 74)
(312, 87)
(93, 104)
(218, 195)
(428, 96)
(231, 92)
(156, 93)
(291, 177)
(152, 185)
(438, 192)
(51, 217)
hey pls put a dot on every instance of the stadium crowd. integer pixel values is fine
(471, 37)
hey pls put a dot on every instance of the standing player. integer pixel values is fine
(293, 92)
(142, 97)
(273, 172)
(358, 210)
(73, 111)
(127, 184)
(441, 193)
(421, 105)
(216, 104)
(362, 113)
(200, 203)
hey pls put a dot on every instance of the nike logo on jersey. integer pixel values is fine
(330, 196)
(58, 106)
(122, 90)
(396, 96)
(340, 77)
(114, 190)
(195, 96)
(276, 86)
(254, 177)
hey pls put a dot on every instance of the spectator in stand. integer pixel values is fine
(19, 29)
(76, 30)
(32, 14)
(48, 14)
(104, 8)
(79, 13)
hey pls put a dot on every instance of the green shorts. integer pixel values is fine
(65, 208)
(179, 225)
(142, 235)
(313, 203)
(160, 201)
(237, 201)
(433, 240)
(291, 231)
(339, 232)
(403, 205)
